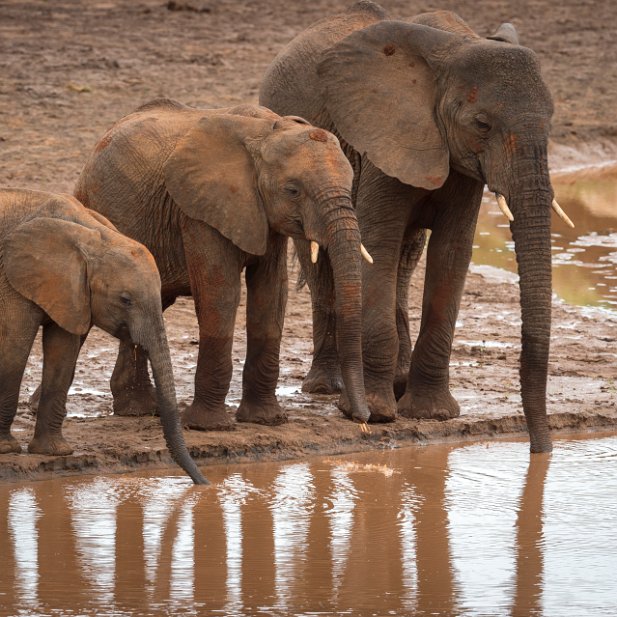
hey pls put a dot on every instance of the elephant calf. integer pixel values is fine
(66, 268)
(213, 192)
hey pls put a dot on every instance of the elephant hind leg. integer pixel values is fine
(410, 256)
(132, 389)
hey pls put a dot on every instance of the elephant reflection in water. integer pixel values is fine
(529, 536)
(305, 537)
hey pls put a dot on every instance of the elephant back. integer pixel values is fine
(123, 175)
(290, 85)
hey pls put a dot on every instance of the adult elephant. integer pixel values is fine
(428, 114)
(213, 192)
(67, 268)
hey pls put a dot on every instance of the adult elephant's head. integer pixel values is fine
(249, 173)
(89, 274)
(423, 98)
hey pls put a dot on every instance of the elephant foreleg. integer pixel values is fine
(449, 253)
(60, 351)
(35, 397)
(324, 376)
(214, 267)
(265, 312)
(16, 341)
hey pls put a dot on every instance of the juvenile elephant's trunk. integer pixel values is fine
(343, 244)
(155, 342)
(530, 201)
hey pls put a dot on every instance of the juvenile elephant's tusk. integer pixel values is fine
(503, 206)
(365, 253)
(561, 214)
(314, 251)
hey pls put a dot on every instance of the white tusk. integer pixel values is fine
(503, 206)
(314, 251)
(365, 253)
(561, 214)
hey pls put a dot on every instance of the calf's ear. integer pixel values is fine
(46, 261)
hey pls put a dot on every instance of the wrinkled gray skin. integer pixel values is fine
(428, 114)
(66, 268)
(213, 192)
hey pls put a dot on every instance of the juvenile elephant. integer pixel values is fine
(213, 192)
(428, 114)
(66, 268)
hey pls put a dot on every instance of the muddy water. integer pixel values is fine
(439, 530)
(584, 258)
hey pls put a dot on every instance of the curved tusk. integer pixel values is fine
(314, 251)
(503, 206)
(561, 214)
(365, 253)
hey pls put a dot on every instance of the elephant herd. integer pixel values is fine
(370, 132)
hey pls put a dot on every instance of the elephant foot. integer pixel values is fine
(53, 445)
(268, 413)
(202, 418)
(440, 405)
(136, 402)
(323, 380)
(9, 445)
(381, 405)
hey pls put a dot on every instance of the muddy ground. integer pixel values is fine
(70, 69)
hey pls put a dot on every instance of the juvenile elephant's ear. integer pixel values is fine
(380, 85)
(211, 176)
(45, 261)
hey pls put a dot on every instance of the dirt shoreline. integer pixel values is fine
(71, 69)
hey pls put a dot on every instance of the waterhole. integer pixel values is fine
(584, 258)
(480, 529)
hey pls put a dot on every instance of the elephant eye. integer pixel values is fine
(292, 191)
(482, 123)
(126, 299)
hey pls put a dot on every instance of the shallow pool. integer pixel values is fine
(438, 530)
(584, 258)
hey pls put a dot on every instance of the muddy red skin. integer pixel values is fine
(429, 113)
(212, 193)
(66, 268)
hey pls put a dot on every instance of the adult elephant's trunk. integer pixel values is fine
(530, 201)
(343, 245)
(154, 342)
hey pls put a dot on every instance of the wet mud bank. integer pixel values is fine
(311, 436)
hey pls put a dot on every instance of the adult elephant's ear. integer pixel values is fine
(380, 87)
(45, 260)
(211, 176)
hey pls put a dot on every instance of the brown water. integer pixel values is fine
(439, 530)
(584, 258)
